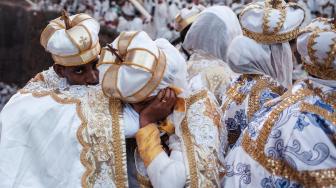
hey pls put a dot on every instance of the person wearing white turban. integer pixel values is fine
(264, 58)
(208, 34)
(137, 75)
(291, 140)
(39, 125)
(129, 21)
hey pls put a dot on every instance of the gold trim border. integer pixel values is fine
(277, 167)
(187, 138)
(86, 146)
(272, 38)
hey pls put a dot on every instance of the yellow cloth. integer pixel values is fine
(167, 126)
(149, 143)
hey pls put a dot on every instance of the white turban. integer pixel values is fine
(147, 67)
(268, 25)
(317, 46)
(75, 46)
(246, 56)
(213, 31)
(187, 16)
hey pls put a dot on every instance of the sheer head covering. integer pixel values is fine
(246, 56)
(317, 47)
(139, 67)
(72, 43)
(213, 31)
(272, 21)
(237, 8)
(271, 24)
(187, 16)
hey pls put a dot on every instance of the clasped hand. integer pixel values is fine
(159, 108)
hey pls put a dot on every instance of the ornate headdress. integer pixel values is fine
(272, 21)
(137, 67)
(317, 46)
(187, 17)
(73, 40)
(320, 24)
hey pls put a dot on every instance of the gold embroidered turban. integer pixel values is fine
(317, 47)
(320, 24)
(272, 21)
(137, 67)
(74, 43)
(187, 16)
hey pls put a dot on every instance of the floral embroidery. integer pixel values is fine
(242, 170)
(291, 153)
(211, 112)
(266, 96)
(235, 126)
(252, 131)
(238, 122)
(271, 182)
(301, 123)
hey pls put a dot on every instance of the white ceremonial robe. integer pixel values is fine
(207, 71)
(290, 142)
(39, 144)
(244, 97)
(56, 135)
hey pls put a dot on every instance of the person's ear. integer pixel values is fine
(59, 69)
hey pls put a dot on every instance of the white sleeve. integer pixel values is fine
(168, 171)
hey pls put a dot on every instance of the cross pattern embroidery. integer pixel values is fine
(83, 41)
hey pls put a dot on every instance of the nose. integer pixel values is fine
(92, 77)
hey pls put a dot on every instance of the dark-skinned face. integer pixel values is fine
(87, 74)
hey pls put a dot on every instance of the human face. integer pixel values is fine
(86, 74)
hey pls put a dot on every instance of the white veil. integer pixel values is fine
(246, 56)
(213, 31)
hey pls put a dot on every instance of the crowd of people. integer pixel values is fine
(123, 16)
(6, 92)
(246, 101)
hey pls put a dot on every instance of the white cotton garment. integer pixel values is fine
(131, 121)
(39, 146)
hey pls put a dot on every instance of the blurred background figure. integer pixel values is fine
(22, 21)
(124, 16)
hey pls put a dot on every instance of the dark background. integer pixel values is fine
(21, 54)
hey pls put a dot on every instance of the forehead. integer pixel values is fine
(93, 62)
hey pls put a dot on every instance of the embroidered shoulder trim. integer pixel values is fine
(331, 117)
(233, 94)
(256, 149)
(254, 98)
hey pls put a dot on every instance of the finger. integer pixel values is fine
(159, 96)
(164, 94)
(168, 93)
(165, 98)
(171, 100)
